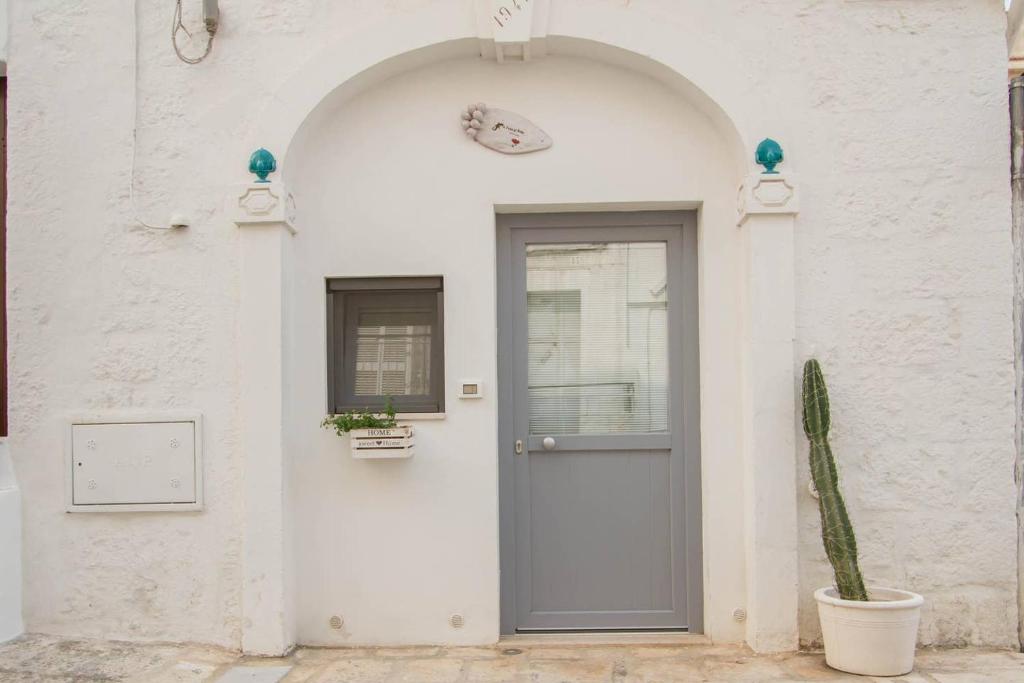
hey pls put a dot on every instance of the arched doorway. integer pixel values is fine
(386, 185)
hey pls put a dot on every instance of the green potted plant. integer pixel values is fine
(867, 630)
(373, 436)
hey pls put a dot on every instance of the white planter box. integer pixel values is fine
(379, 444)
(873, 638)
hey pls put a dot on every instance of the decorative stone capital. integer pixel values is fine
(263, 203)
(512, 30)
(768, 193)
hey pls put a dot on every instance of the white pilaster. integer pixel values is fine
(11, 624)
(768, 208)
(264, 213)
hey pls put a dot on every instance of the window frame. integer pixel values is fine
(345, 296)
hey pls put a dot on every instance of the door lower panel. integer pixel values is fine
(601, 537)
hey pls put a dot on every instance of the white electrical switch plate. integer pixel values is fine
(471, 388)
(134, 463)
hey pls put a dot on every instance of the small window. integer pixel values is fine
(385, 339)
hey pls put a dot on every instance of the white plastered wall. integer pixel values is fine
(903, 284)
(10, 495)
(11, 623)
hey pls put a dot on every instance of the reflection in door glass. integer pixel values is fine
(597, 318)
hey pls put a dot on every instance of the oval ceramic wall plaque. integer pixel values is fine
(503, 131)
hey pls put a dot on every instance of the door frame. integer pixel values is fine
(688, 441)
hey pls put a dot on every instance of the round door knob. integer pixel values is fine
(548, 443)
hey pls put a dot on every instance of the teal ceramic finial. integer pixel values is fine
(769, 154)
(262, 163)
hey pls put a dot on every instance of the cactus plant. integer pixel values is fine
(836, 530)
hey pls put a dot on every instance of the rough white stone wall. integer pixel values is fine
(3, 34)
(905, 294)
(892, 111)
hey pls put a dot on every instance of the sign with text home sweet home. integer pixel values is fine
(394, 442)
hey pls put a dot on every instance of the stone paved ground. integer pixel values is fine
(43, 659)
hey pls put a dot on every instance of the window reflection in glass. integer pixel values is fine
(393, 353)
(597, 317)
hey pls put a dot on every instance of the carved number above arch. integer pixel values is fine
(504, 13)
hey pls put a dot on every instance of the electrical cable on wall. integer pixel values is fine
(211, 20)
(135, 121)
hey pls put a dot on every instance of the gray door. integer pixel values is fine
(599, 462)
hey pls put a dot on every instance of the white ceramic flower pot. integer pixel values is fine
(873, 638)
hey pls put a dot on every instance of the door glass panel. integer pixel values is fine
(597, 318)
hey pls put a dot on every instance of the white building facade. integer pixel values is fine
(882, 247)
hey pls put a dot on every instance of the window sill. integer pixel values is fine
(415, 417)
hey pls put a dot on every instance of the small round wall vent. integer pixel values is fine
(457, 621)
(336, 622)
(739, 614)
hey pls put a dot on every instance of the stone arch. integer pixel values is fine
(682, 59)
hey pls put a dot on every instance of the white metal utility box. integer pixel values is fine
(134, 463)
